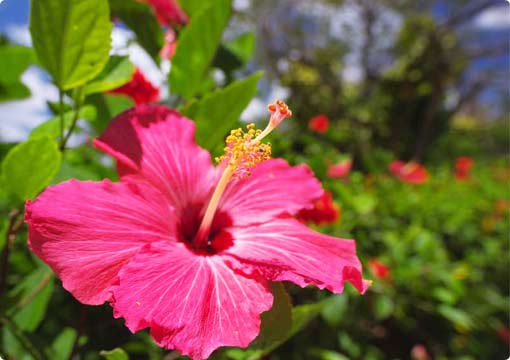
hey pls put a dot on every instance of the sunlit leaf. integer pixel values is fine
(218, 112)
(71, 38)
(116, 73)
(30, 166)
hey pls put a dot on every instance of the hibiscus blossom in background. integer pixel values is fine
(168, 50)
(324, 211)
(410, 172)
(340, 170)
(319, 124)
(180, 246)
(141, 90)
(419, 352)
(168, 12)
(378, 269)
(463, 167)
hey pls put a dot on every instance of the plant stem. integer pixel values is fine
(15, 222)
(61, 113)
(78, 99)
(23, 340)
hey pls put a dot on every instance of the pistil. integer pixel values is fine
(243, 151)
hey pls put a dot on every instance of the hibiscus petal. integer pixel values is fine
(273, 188)
(192, 303)
(285, 249)
(157, 144)
(86, 231)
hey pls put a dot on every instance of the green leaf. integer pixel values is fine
(71, 38)
(192, 7)
(140, 18)
(115, 354)
(16, 59)
(117, 72)
(30, 166)
(383, 307)
(62, 346)
(277, 322)
(197, 46)
(218, 112)
(34, 294)
(242, 46)
(52, 126)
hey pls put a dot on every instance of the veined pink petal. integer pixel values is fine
(273, 188)
(86, 231)
(285, 249)
(192, 303)
(156, 144)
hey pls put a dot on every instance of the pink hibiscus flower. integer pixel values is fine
(324, 211)
(340, 170)
(411, 172)
(168, 12)
(319, 124)
(180, 246)
(141, 90)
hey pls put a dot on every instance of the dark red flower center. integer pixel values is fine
(218, 239)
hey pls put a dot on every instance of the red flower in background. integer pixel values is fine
(168, 12)
(340, 170)
(378, 269)
(319, 124)
(168, 49)
(504, 333)
(419, 352)
(410, 172)
(463, 167)
(141, 90)
(324, 211)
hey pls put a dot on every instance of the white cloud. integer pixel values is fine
(19, 34)
(495, 17)
(17, 118)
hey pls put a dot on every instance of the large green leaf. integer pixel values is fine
(197, 46)
(117, 72)
(34, 294)
(140, 18)
(14, 60)
(192, 7)
(71, 38)
(30, 166)
(218, 112)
